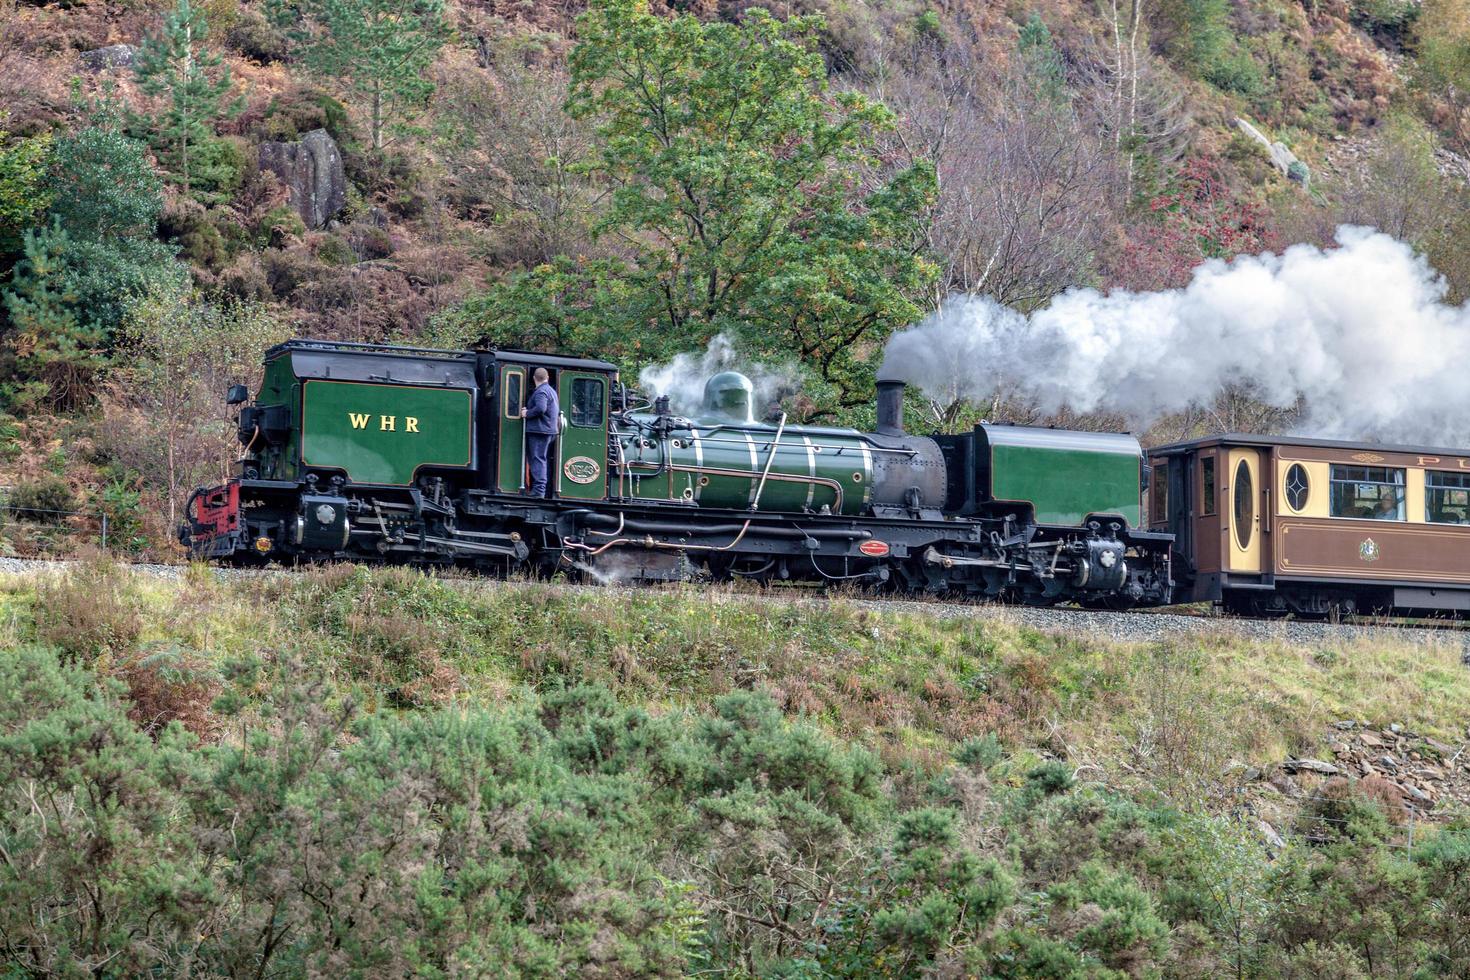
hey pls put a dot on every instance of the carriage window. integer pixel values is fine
(1297, 486)
(513, 400)
(1371, 492)
(1447, 497)
(1207, 483)
(587, 402)
(1245, 504)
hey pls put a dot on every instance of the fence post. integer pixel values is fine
(104, 530)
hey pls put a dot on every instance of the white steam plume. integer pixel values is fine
(683, 378)
(1361, 333)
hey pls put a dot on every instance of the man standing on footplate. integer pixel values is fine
(543, 422)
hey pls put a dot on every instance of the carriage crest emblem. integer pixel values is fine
(1368, 550)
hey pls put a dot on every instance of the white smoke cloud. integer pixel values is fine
(1361, 333)
(683, 378)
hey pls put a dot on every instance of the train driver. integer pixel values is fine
(543, 418)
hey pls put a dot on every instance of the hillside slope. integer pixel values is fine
(477, 177)
(377, 771)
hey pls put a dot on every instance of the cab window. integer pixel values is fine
(512, 395)
(1447, 497)
(587, 402)
(1374, 493)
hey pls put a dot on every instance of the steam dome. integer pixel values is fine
(727, 396)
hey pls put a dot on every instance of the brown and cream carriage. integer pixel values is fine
(1277, 524)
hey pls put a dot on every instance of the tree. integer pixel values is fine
(175, 66)
(50, 351)
(735, 202)
(379, 51)
(67, 297)
(23, 194)
(102, 185)
(1442, 69)
(519, 160)
(1024, 182)
(182, 351)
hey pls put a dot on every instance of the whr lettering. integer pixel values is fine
(386, 423)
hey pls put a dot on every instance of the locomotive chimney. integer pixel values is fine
(890, 408)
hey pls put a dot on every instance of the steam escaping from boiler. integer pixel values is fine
(1360, 334)
(683, 378)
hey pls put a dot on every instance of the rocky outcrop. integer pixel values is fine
(311, 171)
(1407, 772)
(112, 56)
(1284, 160)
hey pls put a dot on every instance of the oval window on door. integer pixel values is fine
(1245, 504)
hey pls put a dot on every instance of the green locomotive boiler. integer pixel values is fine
(387, 453)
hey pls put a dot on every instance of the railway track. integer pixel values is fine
(1141, 626)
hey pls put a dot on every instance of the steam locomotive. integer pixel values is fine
(368, 452)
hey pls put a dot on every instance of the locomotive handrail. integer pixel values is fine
(330, 345)
(755, 503)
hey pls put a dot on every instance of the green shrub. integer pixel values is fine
(1237, 73)
(107, 871)
(1388, 19)
(280, 225)
(980, 752)
(217, 169)
(124, 509)
(43, 500)
(1051, 777)
(334, 250)
(254, 37)
(10, 446)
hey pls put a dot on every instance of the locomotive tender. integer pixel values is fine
(370, 452)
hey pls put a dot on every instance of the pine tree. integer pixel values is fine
(1044, 65)
(50, 353)
(379, 50)
(177, 66)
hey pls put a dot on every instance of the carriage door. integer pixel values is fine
(1244, 517)
(581, 453)
(510, 393)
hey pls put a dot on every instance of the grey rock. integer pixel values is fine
(1310, 765)
(1285, 785)
(1416, 794)
(311, 170)
(1395, 728)
(112, 56)
(1269, 832)
(1283, 159)
(1387, 762)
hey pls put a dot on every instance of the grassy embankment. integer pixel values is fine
(696, 779)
